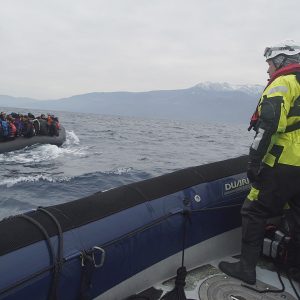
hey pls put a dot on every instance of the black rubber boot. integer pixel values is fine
(294, 272)
(245, 268)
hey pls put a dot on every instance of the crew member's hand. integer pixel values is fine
(253, 171)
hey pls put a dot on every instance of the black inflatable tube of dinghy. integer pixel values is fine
(22, 142)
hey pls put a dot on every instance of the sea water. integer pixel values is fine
(103, 152)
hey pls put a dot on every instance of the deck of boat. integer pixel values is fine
(204, 280)
(207, 282)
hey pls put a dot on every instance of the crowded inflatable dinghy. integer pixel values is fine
(18, 131)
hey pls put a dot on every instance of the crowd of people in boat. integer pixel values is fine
(14, 125)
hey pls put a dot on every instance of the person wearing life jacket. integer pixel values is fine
(28, 128)
(1, 133)
(13, 131)
(12, 127)
(18, 122)
(44, 130)
(52, 126)
(57, 123)
(274, 160)
(49, 119)
(49, 124)
(5, 130)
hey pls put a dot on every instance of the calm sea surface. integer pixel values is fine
(102, 152)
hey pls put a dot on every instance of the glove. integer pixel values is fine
(253, 171)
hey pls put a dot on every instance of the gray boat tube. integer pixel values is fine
(22, 142)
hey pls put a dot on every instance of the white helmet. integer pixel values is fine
(287, 48)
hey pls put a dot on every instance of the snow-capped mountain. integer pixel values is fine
(207, 101)
(224, 86)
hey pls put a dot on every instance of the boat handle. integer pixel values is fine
(102, 251)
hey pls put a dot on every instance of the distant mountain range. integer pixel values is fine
(218, 102)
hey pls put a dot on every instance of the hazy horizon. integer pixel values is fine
(145, 91)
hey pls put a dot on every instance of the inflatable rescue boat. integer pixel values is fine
(126, 242)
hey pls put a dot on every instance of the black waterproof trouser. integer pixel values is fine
(276, 186)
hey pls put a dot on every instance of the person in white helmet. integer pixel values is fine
(274, 160)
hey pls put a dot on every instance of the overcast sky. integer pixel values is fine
(57, 48)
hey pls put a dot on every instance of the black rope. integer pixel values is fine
(51, 295)
(292, 284)
(140, 229)
(59, 260)
(163, 218)
(178, 292)
(87, 269)
(69, 219)
(187, 218)
(60, 232)
(215, 208)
